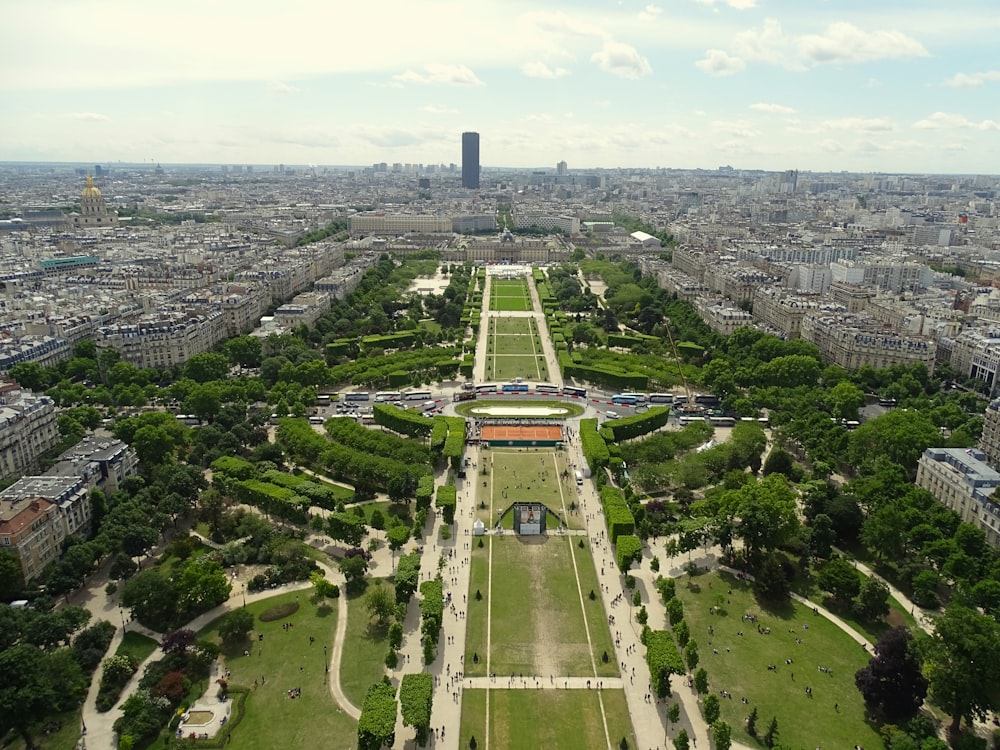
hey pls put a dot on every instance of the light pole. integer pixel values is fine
(122, 613)
(244, 595)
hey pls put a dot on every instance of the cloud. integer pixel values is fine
(557, 22)
(650, 12)
(454, 75)
(541, 70)
(838, 43)
(844, 42)
(621, 59)
(774, 109)
(717, 62)
(972, 80)
(435, 110)
(396, 137)
(737, 4)
(281, 88)
(87, 116)
(866, 124)
(945, 120)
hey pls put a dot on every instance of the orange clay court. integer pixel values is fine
(502, 432)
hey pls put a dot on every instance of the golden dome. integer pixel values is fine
(91, 191)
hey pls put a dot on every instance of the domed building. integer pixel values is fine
(93, 209)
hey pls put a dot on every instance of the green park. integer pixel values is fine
(782, 583)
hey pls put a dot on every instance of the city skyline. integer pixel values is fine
(758, 84)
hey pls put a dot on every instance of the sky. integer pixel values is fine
(822, 85)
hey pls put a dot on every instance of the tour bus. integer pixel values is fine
(189, 419)
(661, 398)
(686, 419)
(515, 387)
(707, 399)
(486, 388)
(546, 388)
(357, 396)
(624, 399)
(323, 399)
(466, 396)
(572, 390)
(315, 420)
(418, 395)
(579, 478)
(722, 421)
(640, 398)
(388, 396)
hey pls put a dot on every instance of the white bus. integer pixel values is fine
(357, 396)
(546, 388)
(388, 396)
(661, 398)
(418, 395)
(579, 478)
(486, 388)
(640, 398)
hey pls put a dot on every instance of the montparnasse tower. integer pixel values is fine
(94, 211)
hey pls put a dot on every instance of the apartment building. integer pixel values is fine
(777, 310)
(37, 514)
(165, 339)
(382, 223)
(28, 429)
(961, 480)
(721, 316)
(304, 309)
(853, 342)
(975, 353)
(568, 224)
(989, 441)
(103, 463)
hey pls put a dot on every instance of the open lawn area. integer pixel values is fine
(514, 349)
(512, 326)
(836, 712)
(510, 304)
(538, 625)
(136, 645)
(527, 474)
(503, 367)
(510, 295)
(286, 659)
(365, 648)
(531, 719)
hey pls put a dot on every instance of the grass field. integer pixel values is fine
(365, 649)
(556, 492)
(836, 712)
(572, 408)
(510, 304)
(514, 349)
(510, 295)
(137, 645)
(286, 659)
(530, 719)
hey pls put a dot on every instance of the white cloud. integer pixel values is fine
(774, 109)
(557, 22)
(844, 42)
(455, 75)
(864, 124)
(621, 59)
(279, 87)
(945, 120)
(838, 43)
(972, 80)
(541, 70)
(87, 116)
(737, 4)
(650, 12)
(717, 62)
(434, 110)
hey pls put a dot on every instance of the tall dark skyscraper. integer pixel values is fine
(470, 160)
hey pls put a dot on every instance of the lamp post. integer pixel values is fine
(244, 595)
(122, 613)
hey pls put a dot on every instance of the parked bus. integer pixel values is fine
(579, 478)
(388, 396)
(189, 419)
(624, 399)
(323, 399)
(418, 395)
(315, 420)
(486, 388)
(572, 390)
(546, 388)
(661, 398)
(357, 396)
(722, 421)
(515, 387)
(464, 396)
(640, 398)
(707, 399)
(687, 419)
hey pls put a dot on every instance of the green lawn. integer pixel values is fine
(136, 645)
(364, 650)
(397, 510)
(285, 659)
(66, 738)
(531, 719)
(510, 304)
(571, 408)
(514, 343)
(509, 366)
(512, 326)
(836, 712)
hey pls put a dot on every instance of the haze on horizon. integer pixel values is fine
(767, 84)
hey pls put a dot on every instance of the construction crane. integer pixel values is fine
(689, 404)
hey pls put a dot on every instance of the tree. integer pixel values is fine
(872, 602)
(681, 741)
(397, 536)
(701, 681)
(765, 512)
(840, 578)
(901, 436)
(346, 527)
(710, 708)
(33, 686)
(770, 579)
(206, 366)
(178, 641)
(152, 445)
(771, 735)
(752, 723)
(377, 723)
(30, 375)
(354, 569)
(722, 735)
(844, 400)
(11, 578)
(380, 603)
(416, 699)
(203, 584)
(323, 588)
(674, 713)
(892, 682)
(961, 660)
(152, 598)
(691, 655)
(236, 626)
(821, 536)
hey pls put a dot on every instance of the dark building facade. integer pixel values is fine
(470, 160)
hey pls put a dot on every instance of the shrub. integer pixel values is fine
(278, 612)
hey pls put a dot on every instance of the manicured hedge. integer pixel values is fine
(416, 699)
(454, 444)
(425, 491)
(447, 499)
(616, 513)
(377, 722)
(663, 659)
(407, 577)
(237, 468)
(628, 550)
(403, 421)
(595, 450)
(639, 424)
(270, 498)
(347, 431)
